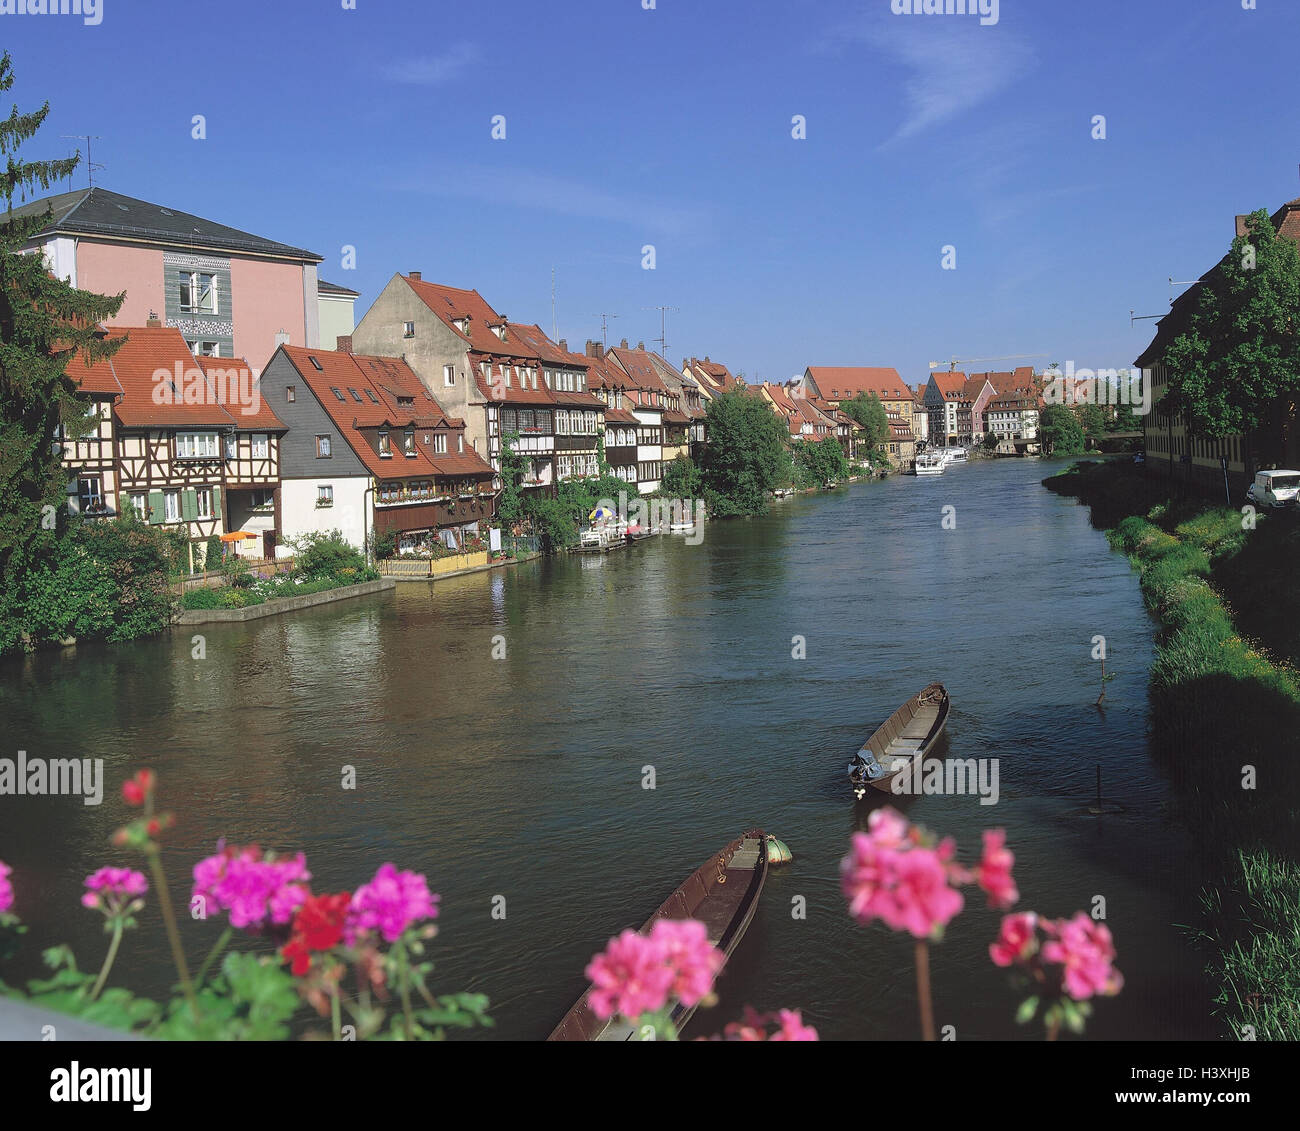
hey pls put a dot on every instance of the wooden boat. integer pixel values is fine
(723, 894)
(905, 738)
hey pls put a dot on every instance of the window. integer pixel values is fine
(408, 329)
(261, 445)
(262, 498)
(140, 504)
(440, 443)
(197, 445)
(355, 395)
(371, 394)
(290, 393)
(171, 506)
(324, 495)
(319, 367)
(408, 442)
(449, 375)
(204, 349)
(89, 495)
(338, 393)
(198, 293)
(232, 446)
(203, 499)
(385, 447)
(322, 447)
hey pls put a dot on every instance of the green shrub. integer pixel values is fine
(324, 554)
(202, 599)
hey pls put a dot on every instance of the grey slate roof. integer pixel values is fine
(325, 288)
(99, 212)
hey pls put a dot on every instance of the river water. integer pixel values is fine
(523, 776)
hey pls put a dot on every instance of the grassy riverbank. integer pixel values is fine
(1225, 720)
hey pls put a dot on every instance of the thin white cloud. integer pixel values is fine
(952, 65)
(528, 188)
(433, 70)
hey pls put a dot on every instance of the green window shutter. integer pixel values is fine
(216, 506)
(189, 505)
(155, 507)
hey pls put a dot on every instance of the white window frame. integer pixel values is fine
(172, 506)
(448, 376)
(188, 445)
(324, 494)
(261, 444)
(203, 502)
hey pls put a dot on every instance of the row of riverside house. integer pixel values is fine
(390, 427)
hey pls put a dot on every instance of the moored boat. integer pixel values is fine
(723, 894)
(929, 463)
(903, 740)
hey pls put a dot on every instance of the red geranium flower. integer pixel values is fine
(317, 925)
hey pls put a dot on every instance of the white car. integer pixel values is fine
(1274, 489)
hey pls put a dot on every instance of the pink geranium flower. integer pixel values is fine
(792, 1027)
(254, 889)
(1086, 951)
(994, 874)
(390, 903)
(629, 977)
(688, 953)
(888, 875)
(6, 888)
(638, 974)
(755, 1027)
(1017, 939)
(111, 889)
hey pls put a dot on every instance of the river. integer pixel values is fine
(523, 776)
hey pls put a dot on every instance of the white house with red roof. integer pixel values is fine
(370, 451)
(649, 401)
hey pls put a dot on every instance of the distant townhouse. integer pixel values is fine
(371, 452)
(677, 419)
(712, 377)
(229, 293)
(802, 416)
(695, 404)
(1012, 416)
(956, 404)
(184, 446)
(838, 384)
(610, 385)
(901, 444)
(1171, 448)
(920, 417)
(337, 317)
(649, 397)
(579, 417)
(445, 336)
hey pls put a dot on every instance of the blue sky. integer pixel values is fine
(625, 127)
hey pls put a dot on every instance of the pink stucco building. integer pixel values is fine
(229, 293)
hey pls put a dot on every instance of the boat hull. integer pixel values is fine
(723, 893)
(902, 742)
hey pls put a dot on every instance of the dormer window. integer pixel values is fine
(385, 447)
(408, 442)
(461, 324)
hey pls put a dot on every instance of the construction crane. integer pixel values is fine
(956, 361)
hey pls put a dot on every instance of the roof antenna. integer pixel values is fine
(663, 327)
(90, 165)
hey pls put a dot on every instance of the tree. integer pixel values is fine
(867, 410)
(818, 461)
(682, 479)
(990, 441)
(1092, 419)
(745, 455)
(44, 323)
(510, 510)
(1059, 431)
(1235, 367)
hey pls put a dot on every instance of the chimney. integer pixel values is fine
(706, 359)
(595, 349)
(416, 276)
(344, 343)
(624, 345)
(564, 345)
(153, 321)
(641, 346)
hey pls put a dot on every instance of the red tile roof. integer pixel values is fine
(846, 382)
(157, 373)
(261, 419)
(642, 372)
(951, 386)
(403, 402)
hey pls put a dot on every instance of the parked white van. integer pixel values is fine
(1274, 489)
